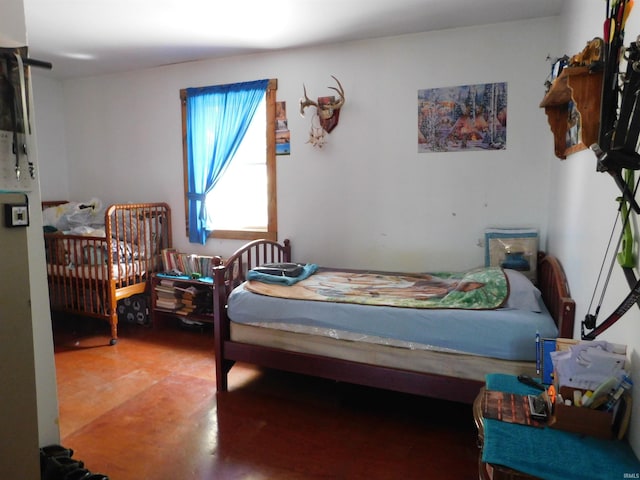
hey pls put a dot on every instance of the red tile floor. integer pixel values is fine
(146, 409)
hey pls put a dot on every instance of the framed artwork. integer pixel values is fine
(513, 248)
(573, 125)
(462, 118)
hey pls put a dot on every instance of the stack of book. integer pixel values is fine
(194, 300)
(167, 298)
(181, 298)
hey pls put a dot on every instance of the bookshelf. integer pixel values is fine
(181, 296)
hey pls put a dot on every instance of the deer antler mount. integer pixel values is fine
(327, 111)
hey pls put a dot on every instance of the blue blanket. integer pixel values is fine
(549, 453)
(308, 270)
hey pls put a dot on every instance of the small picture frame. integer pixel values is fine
(16, 215)
(513, 248)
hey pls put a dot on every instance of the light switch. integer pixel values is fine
(16, 215)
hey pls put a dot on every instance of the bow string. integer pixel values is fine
(616, 154)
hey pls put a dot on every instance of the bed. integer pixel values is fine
(97, 256)
(446, 373)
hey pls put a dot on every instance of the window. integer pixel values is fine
(242, 202)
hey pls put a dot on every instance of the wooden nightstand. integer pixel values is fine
(509, 449)
(487, 471)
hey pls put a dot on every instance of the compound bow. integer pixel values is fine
(616, 152)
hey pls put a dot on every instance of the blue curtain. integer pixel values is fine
(217, 120)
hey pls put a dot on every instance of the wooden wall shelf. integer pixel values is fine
(583, 87)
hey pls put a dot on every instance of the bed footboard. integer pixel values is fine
(226, 278)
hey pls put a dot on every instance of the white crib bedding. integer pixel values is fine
(119, 271)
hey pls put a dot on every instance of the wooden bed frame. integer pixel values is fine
(551, 282)
(94, 288)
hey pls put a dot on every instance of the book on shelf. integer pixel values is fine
(165, 289)
(185, 310)
(166, 304)
(194, 301)
(186, 263)
(168, 255)
(197, 300)
(190, 291)
(508, 407)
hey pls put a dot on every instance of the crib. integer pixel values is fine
(91, 268)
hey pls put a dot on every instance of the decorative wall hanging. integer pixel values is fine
(572, 99)
(462, 118)
(283, 135)
(327, 114)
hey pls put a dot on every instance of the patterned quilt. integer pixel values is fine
(480, 289)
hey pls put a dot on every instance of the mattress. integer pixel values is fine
(506, 333)
(472, 367)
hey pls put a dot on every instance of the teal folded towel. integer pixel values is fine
(555, 454)
(308, 270)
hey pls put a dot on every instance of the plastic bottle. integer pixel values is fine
(625, 384)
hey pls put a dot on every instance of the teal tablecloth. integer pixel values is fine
(549, 453)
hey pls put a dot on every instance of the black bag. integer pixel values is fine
(280, 269)
(134, 309)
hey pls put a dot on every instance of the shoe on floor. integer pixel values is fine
(57, 468)
(78, 474)
(56, 451)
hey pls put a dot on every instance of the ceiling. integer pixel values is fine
(94, 37)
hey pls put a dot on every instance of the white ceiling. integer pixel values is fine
(92, 37)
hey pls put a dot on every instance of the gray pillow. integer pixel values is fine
(523, 295)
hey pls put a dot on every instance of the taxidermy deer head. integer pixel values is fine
(327, 112)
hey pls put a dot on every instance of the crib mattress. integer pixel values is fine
(120, 271)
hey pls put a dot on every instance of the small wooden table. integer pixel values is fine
(549, 452)
(488, 471)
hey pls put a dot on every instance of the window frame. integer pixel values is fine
(271, 233)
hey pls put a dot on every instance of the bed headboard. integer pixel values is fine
(553, 285)
(249, 256)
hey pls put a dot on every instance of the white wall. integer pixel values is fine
(583, 210)
(52, 154)
(368, 190)
(26, 344)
